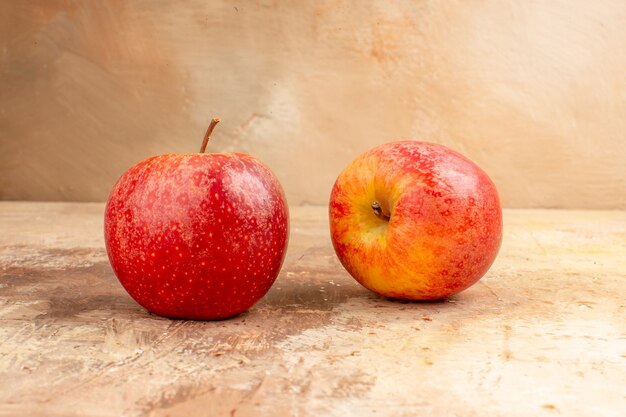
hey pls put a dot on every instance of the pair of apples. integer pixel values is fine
(203, 236)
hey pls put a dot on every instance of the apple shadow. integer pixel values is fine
(300, 289)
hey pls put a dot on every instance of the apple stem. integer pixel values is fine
(207, 135)
(378, 211)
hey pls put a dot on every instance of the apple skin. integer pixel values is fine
(197, 236)
(444, 228)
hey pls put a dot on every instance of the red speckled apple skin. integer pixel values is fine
(445, 225)
(197, 236)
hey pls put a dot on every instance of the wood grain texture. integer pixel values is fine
(542, 334)
(534, 92)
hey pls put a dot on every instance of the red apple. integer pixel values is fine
(197, 236)
(415, 220)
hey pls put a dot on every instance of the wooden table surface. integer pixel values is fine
(542, 334)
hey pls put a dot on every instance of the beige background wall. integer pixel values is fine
(534, 91)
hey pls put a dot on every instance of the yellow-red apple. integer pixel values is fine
(415, 220)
